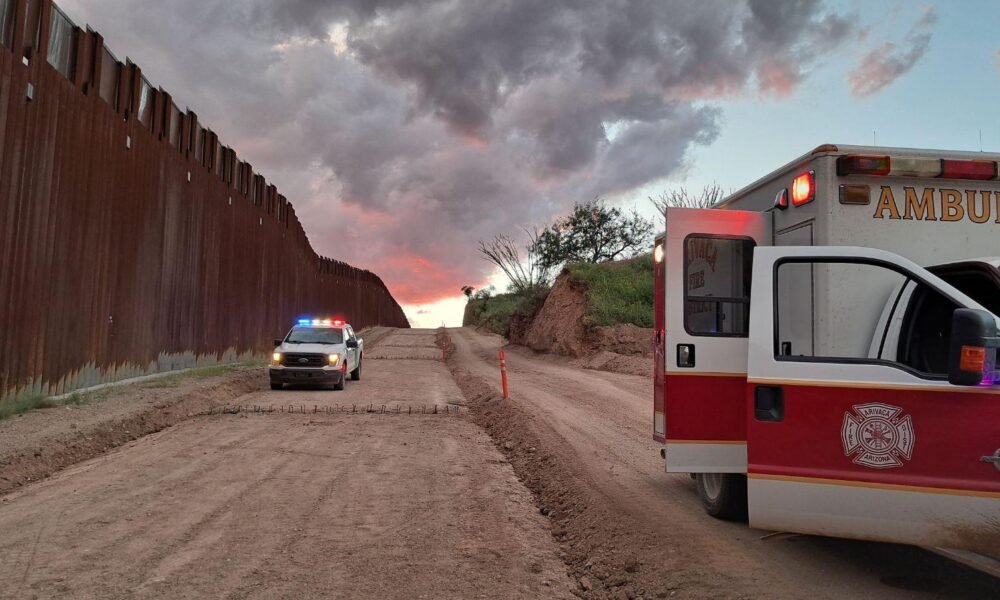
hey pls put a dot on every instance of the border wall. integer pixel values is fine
(132, 240)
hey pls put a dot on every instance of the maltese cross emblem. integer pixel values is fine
(877, 437)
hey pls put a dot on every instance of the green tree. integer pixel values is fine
(592, 233)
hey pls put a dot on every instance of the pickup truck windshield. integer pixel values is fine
(310, 335)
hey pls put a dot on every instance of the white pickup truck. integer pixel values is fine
(317, 351)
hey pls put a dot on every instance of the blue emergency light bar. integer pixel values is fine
(320, 322)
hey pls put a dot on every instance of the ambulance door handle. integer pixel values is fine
(769, 403)
(995, 459)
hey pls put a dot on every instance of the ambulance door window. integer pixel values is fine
(717, 273)
(795, 318)
(925, 337)
(886, 345)
(839, 306)
(796, 295)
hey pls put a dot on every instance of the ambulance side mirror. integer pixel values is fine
(973, 354)
(277, 343)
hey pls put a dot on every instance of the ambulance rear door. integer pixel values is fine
(708, 259)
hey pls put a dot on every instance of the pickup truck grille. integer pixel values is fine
(305, 360)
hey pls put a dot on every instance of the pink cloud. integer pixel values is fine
(886, 63)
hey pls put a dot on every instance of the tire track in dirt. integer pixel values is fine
(183, 546)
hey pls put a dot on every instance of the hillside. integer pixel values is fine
(601, 314)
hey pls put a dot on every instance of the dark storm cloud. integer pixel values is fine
(406, 131)
(888, 62)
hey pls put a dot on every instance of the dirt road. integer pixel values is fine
(597, 427)
(292, 506)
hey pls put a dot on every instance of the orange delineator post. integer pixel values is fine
(503, 375)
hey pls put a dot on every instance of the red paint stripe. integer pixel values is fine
(876, 480)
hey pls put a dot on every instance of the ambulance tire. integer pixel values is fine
(723, 495)
(356, 373)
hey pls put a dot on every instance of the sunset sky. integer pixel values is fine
(404, 132)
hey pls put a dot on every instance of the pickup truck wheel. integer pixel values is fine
(356, 373)
(276, 386)
(723, 495)
(339, 386)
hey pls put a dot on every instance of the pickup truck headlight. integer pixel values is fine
(334, 360)
(276, 358)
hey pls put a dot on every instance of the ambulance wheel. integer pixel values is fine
(356, 373)
(723, 495)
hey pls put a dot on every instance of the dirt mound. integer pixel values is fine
(520, 326)
(624, 339)
(617, 363)
(559, 326)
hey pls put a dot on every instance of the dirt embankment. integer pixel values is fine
(39, 443)
(560, 327)
(608, 553)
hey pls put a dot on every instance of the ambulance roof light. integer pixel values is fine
(804, 188)
(917, 166)
(968, 169)
(853, 164)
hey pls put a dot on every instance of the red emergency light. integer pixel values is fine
(852, 164)
(804, 188)
(968, 169)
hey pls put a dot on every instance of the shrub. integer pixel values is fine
(618, 292)
(495, 312)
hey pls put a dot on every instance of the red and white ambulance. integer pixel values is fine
(826, 343)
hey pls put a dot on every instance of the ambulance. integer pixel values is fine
(826, 348)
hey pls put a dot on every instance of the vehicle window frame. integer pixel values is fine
(719, 300)
(908, 275)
